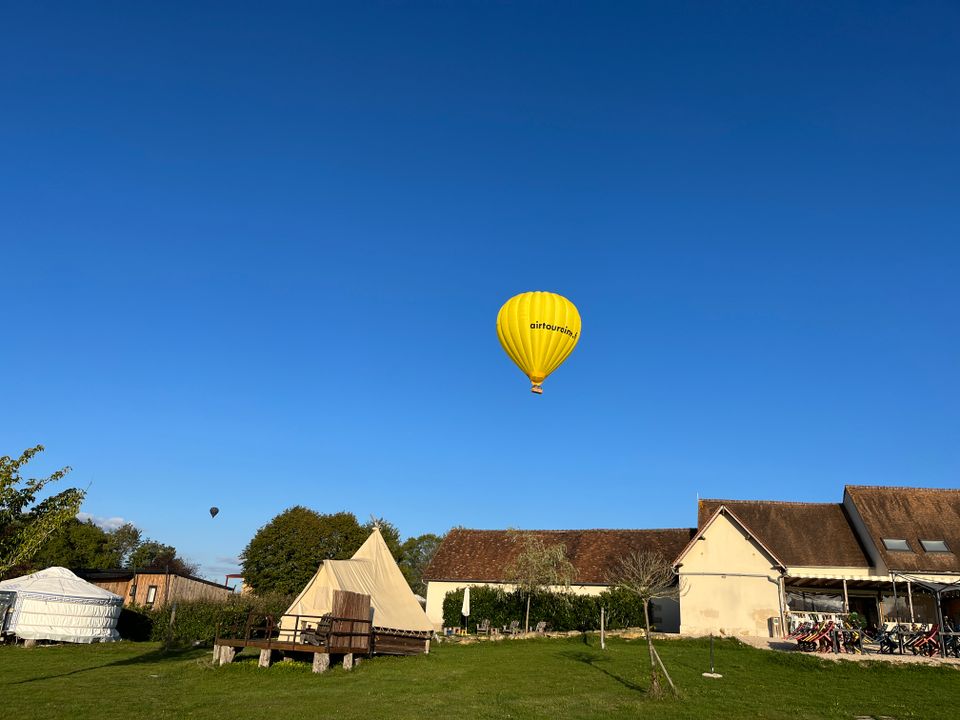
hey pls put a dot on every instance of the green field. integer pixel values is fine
(511, 679)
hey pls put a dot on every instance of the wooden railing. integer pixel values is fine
(337, 633)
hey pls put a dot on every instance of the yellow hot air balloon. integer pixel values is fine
(538, 330)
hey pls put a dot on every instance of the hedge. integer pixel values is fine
(560, 610)
(196, 621)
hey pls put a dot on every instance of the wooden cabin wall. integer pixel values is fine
(117, 587)
(186, 589)
(180, 589)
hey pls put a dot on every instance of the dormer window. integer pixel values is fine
(934, 546)
(896, 544)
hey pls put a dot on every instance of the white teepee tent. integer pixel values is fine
(371, 571)
(54, 604)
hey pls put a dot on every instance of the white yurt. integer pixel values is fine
(54, 604)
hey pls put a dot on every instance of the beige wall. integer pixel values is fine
(729, 585)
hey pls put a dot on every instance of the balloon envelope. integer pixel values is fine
(214, 511)
(538, 330)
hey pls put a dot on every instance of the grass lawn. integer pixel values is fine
(511, 679)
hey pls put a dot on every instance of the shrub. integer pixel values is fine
(560, 610)
(196, 621)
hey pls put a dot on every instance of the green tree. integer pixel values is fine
(415, 554)
(151, 554)
(286, 552)
(77, 545)
(26, 523)
(123, 542)
(537, 566)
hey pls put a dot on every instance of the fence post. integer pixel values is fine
(603, 639)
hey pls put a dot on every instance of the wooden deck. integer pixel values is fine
(382, 643)
(347, 632)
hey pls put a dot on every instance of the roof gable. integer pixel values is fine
(799, 534)
(705, 526)
(483, 555)
(911, 514)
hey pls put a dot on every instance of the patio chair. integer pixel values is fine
(484, 627)
(541, 628)
(927, 643)
(318, 635)
(513, 628)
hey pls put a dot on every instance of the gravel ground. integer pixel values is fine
(765, 643)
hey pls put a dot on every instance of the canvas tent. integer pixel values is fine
(371, 571)
(54, 604)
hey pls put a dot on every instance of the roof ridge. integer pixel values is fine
(899, 487)
(569, 530)
(767, 502)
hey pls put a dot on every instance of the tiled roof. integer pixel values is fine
(800, 534)
(482, 555)
(911, 514)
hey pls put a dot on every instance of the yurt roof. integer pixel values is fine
(58, 582)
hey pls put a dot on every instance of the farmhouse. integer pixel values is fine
(155, 587)
(880, 553)
(480, 557)
(750, 566)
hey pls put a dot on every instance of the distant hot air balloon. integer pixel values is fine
(214, 511)
(538, 330)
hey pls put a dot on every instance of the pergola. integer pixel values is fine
(937, 589)
(827, 582)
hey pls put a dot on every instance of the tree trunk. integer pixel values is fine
(526, 623)
(655, 689)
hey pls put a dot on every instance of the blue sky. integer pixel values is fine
(253, 254)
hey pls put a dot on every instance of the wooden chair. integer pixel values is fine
(541, 628)
(513, 628)
(318, 635)
(484, 627)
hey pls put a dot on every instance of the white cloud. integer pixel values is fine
(108, 524)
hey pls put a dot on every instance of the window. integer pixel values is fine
(151, 594)
(934, 546)
(892, 544)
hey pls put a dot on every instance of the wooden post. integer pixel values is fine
(603, 639)
(782, 601)
(216, 655)
(910, 596)
(896, 609)
(173, 619)
(662, 667)
(321, 662)
(348, 661)
(227, 654)
(846, 600)
(266, 657)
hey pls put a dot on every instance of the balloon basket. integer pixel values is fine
(537, 389)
